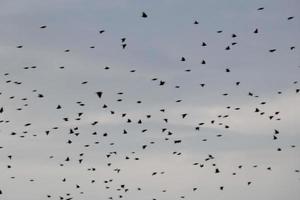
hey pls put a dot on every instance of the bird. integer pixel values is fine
(144, 15)
(184, 115)
(99, 94)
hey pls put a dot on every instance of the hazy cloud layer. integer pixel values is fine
(154, 49)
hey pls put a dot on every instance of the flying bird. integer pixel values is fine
(144, 15)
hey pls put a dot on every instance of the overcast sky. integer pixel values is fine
(155, 47)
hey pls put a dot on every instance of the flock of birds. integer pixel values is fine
(167, 135)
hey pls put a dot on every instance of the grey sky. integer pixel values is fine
(154, 48)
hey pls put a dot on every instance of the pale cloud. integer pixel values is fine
(155, 46)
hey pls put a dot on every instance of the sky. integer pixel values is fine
(155, 47)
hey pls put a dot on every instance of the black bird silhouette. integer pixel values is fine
(99, 94)
(144, 15)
